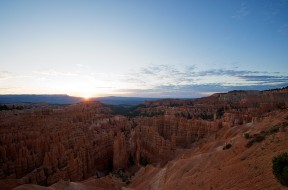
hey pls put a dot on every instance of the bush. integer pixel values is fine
(220, 112)
(262, 135)
(121, 174)
(257, 138)
(247, 136)
(227, 146)
(280, 168)
(205, 116)
(274, 129)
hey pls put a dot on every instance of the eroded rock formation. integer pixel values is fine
(46, 144)
(73, 144)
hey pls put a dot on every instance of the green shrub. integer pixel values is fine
(121, 174)
(259, 137)
(220, 112)
(274, 129)
(247, 136)
(280, 168)
(207, 116)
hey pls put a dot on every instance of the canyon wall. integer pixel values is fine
(43, 145)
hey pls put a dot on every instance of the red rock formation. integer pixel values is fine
(152, 147)
(71, 144)
(208, 166)
(120, 153)
(44, 145)
(185, 131)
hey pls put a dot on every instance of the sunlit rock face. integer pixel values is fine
(45, 144)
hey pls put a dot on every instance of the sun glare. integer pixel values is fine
(86, 97)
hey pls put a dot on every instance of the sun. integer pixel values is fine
(86, 97)
(86, 93)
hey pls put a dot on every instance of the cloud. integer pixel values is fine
(166, 81)
(170, 91)
(160, 69)
(52, 72)
(191, 91)
(155, 75)
(176, 81)
(221, 72)
(9, 75)
(176, 91)
(242, 11)
(4, 74)
(165, 75)
(266, 79)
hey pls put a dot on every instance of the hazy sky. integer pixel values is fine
(147, 48)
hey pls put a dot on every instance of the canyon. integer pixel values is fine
(204, 143)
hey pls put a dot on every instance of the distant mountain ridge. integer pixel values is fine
(39, 98)
(110, 100)
(116, 100)
(66, 99)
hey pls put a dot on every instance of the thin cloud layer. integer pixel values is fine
(4, 74)
(185, 82)
(165, 81)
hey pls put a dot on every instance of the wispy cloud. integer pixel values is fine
(172, 75)
(4, 74)
(192, 91)
(52, 72)
(221, 72)
(175, 81)
(266, 79)
(10, 75)
(156, 75)
(243, 11)
(169, 81)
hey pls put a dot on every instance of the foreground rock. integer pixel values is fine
(205, 165)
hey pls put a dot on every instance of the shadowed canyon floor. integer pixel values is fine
(225, 141)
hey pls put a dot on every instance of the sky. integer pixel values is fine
(142, 48)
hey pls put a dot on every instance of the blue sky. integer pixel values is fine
(162, 48)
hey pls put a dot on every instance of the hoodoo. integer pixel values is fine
(164, 144)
